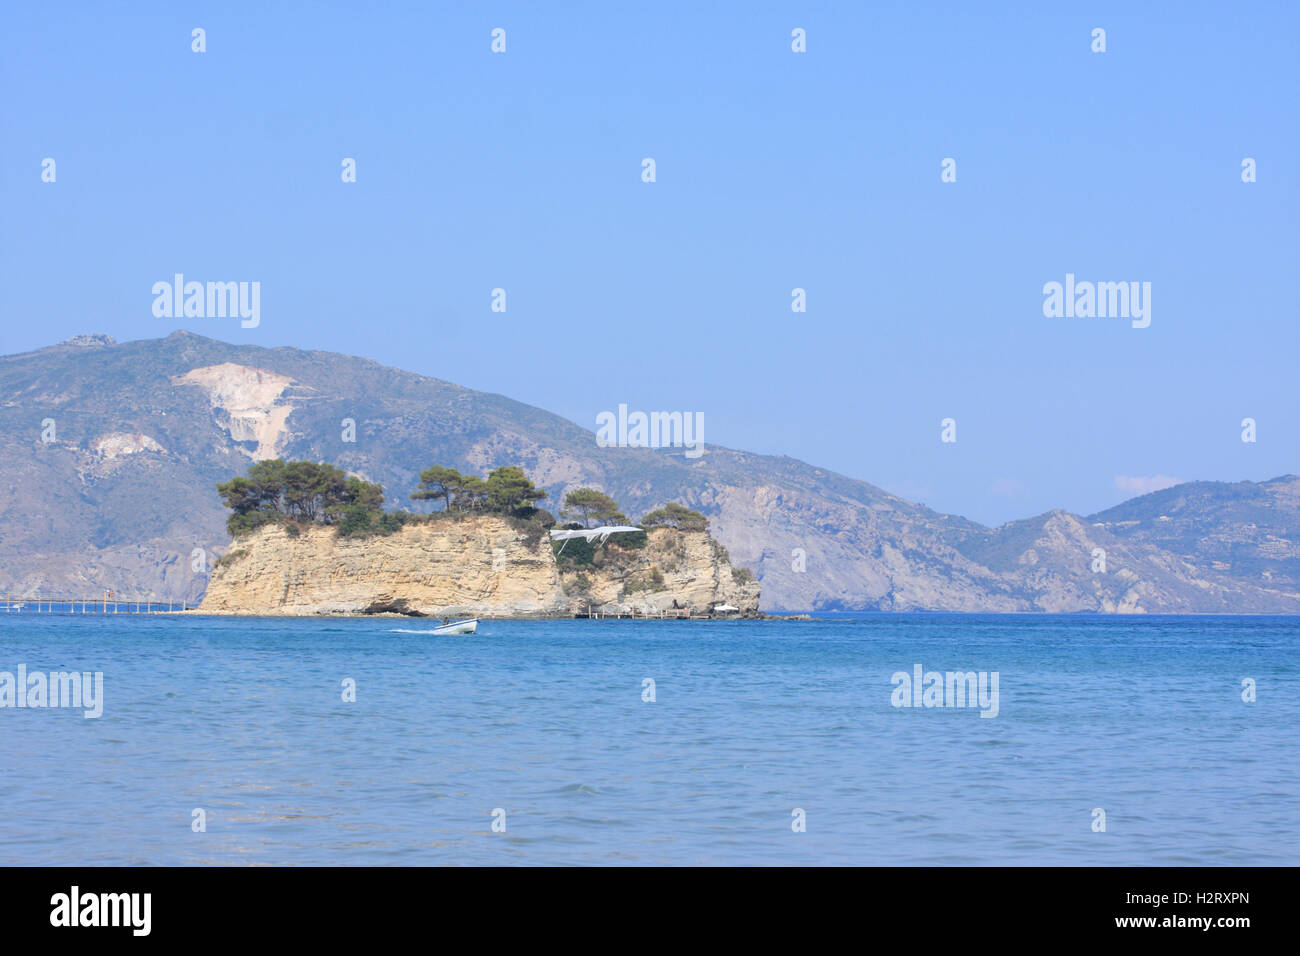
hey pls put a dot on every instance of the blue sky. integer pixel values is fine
(775, 170)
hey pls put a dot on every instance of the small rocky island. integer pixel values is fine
(309, 540)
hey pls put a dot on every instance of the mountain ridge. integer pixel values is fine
(124, 493)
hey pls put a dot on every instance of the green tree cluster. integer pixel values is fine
(506, 490)
(301, 492)
(673, 515)
(589, 507)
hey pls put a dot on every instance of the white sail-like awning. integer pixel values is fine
(726, 608)
(599, 535)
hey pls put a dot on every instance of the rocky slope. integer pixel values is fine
(472, 566)
(120, 492)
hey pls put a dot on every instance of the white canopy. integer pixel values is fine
(726, 608)
(591, 534)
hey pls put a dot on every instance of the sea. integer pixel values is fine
(1106, 740)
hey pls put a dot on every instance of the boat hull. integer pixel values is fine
(457, 627)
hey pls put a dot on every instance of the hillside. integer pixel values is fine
(123, 493)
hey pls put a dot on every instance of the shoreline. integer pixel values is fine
(397, 616)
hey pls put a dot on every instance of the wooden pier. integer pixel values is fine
(596, 614)
(98, 605)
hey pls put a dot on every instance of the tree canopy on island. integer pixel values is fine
(438, 483)
(506, 490)
(586, 505)
(301, 492)
(673, 515)
(509, 491)
(306, 492)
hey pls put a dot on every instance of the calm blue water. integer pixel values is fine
(1142, 717)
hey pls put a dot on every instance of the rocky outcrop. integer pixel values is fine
(468, 566)
(675, 570)
(118, 444)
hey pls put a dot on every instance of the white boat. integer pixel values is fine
(457, 627)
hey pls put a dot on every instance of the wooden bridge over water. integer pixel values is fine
(105, 604)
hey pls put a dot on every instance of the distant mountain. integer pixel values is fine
(110, 453)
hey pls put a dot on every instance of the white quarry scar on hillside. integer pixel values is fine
(248, 403)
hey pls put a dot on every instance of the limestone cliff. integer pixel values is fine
(470, 566)
(675, 570)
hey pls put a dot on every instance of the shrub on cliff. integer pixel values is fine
(358, 522)
(229, 558)
(573, 553)
(652, 582)
(578, 552)
(534, 526)
(722, 556)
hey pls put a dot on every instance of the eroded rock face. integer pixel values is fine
(117, 444)
(473, 566)
(675, 570)
(94, 341)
